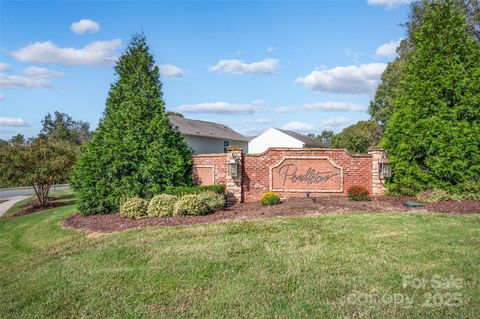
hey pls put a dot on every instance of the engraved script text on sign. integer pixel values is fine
(306, 174)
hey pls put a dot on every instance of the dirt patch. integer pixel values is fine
(34, 206)
(291, 207)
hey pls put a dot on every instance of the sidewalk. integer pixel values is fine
(5, 206)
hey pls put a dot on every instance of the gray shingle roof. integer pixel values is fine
(204, 128)
(309, 142)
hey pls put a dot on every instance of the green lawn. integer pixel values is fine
(278, 268)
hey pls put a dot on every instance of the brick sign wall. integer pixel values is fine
(210, 169)
(294, 172)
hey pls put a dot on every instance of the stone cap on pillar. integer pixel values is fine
(376, 149)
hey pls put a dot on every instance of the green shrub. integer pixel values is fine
(190, 205)
(357, 193)
(270, 198)
(213, 200)
(134, 207)
(432, 196)
(161, 205)
(186, 190)
(468, 190)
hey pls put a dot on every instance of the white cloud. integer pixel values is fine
(4, 67)
(334, 106)
(302, 127)
(12, 121)
(389, 3)
(334, 122)
(170, 71)
(234, 66)
(34, 77)
(2, 97)
(252, 131)
(259, 120)
(221, 108)
(388, 49)
(97, 53)
(85, 25)
(271, 49)
(11, 81)
(41, 72)
(285, 109)
(353, 79)
(352, 53)
(298, 126)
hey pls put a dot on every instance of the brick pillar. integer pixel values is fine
(378, 184)
(234, 184)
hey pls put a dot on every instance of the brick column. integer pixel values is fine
(378, 184)
(234, 184)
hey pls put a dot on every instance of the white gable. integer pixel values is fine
(272, 138)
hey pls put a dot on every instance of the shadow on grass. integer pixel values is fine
(34, 206)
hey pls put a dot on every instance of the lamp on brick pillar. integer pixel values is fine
(383, 168)
(234, 174)
(380, 170)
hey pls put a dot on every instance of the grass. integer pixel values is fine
(59, 195)
(282, 267)
(2, 201)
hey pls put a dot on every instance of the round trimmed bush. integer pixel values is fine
(134, 207)
(161, 205)
(358, 193)
(270, 198)
(190, 205)
(213, 200)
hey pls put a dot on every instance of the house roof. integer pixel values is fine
(308, 141)
(204, 129)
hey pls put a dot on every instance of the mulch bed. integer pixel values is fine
(34, 206)
(291, 207)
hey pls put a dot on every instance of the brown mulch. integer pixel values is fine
(34, 206)
(291, 207)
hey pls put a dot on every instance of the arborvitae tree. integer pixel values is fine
(433, 136)
(382, 105)
(135, 151)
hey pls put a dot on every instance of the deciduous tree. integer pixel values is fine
(61, 127)
(359, 137)
(39, 163)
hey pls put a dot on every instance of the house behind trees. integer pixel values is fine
(208, 137)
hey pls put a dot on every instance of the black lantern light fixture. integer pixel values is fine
(233, 167)
(383, 168)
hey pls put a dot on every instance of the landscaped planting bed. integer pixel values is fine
(290, 207)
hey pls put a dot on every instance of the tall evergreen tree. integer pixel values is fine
(433, 136)
(135, 151)
(382, 105)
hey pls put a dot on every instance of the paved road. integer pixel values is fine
(9, 203)
(22, 192)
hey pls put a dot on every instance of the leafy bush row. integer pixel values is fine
(185, 190)
(165, 205)
(469, 190)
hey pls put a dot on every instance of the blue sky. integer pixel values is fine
(304, 66)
